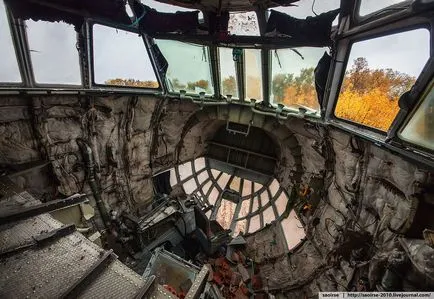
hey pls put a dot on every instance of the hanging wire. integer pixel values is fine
(278, 58)
(313, 4)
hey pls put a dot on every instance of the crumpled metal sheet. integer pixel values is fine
(229, 5)
(70, 11)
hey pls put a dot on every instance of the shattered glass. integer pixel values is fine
(293, 230)
(243, 23)
(309, 8)
(53, 52)
(262, 204)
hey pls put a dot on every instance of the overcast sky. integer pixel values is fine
(121, 55)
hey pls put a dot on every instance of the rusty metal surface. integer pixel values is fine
(47, 271)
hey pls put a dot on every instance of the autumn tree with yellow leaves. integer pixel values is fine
(368, 96)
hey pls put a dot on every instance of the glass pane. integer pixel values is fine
(202, 176)
(121, 59)
(185, 170)
(215, 173)
(375, 78)
(235, 184)
(213, 196)
(225, 213)
(228, 75)
(252, 61)
(265, 199)
(206, 187)
(173, 179)
(190, 186)
(9, 71)
(191, 73)
(243, 23)
(268, 215)
(293, 230)
(420, 128)
(369, 6)
(274, 187)
(255, 224)
(199, 164)
(293, 78)
(244, 210)
(223, 180)
(257, 187)
(247, 188)
(255, 205)
(281, 203)
(240, 227)
(53, 52)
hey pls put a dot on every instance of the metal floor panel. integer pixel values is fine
(120, 280)
(48, 271)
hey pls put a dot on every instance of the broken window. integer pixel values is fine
(370, 6)
(253, 76)
(238, 203)
(293, 77)
(167, 8)
(292, 230)
(192, 73)
(53, 52)
(375, 79)
(9, 71)
(309, 8)
(120, 58)
(243, 23)
(228, 77)
(420, 127)
(226, 213)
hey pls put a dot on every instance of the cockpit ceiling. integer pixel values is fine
(69, 11)
(230, 5)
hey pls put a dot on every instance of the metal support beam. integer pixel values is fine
(18, 214)
(215, 70)
(89, 276)
(239, 68)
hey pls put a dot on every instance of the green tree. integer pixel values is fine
(279, 84)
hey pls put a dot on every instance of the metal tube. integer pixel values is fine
(87, 155)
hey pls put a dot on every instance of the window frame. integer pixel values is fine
(210, 62)
(91, 62)
(48, 85)
(350, 42)
(309, 114)
(13, 27)
(421, 99)
(381, 13)
(218, 66)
